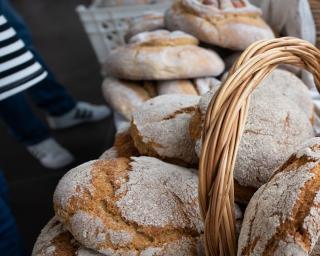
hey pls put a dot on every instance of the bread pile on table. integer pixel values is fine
(180, 51)
(141, 196)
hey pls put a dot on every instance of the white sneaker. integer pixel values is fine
(50, 154)
(82, 113)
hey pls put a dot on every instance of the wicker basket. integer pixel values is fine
(223, 127)
(315, 8)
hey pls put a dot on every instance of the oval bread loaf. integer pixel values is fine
(162, 55)
(224, 23)
(141, 206)
(56, 240)
(283, 216)
(160, 128)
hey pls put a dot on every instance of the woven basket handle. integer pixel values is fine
(223, 128)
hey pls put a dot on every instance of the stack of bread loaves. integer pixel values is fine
(163, 54)
(141, 196)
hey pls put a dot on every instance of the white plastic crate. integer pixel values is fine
(107, 26)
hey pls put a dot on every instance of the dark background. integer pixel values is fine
(60, 38)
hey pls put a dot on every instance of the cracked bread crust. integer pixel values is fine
(160, 128)
(283, 216)
(129, 207)
(275, 127)
(219, 22)
(163, 55)
(55, 240)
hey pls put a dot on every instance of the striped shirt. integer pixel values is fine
(19, 69)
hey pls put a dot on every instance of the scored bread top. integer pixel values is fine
(160, 128)
(162, 55)
(214, 8)
(130, 206)
(224, 23)
(283, 216)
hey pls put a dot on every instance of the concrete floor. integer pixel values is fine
(59, 36)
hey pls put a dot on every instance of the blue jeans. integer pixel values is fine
(49, 94)
(10, 240)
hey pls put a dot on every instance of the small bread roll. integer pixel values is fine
(147, 22)
(56, 240)
(141, 206)
(160, 128)
(176, 87)
(123, 146)
(276, 125)
(163, 55)
(283, 216)
(123, 96)
(219, 22)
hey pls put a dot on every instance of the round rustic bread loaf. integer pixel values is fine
(147, 22)
(55, 240)
(123, 145)
(283, 216)
(176, 87)
(124, 96)
(226, 23)
(275, 126)
(160, 128)
(141, 206)
(163, 55)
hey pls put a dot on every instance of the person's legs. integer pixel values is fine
(10, 240)
(29, 130)
(21, 122)
(49, 95)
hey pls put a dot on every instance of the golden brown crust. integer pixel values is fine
(283, 216)
(55, 240)
(160, 128)
(101, 213)
(124, 145)
(153, 56)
